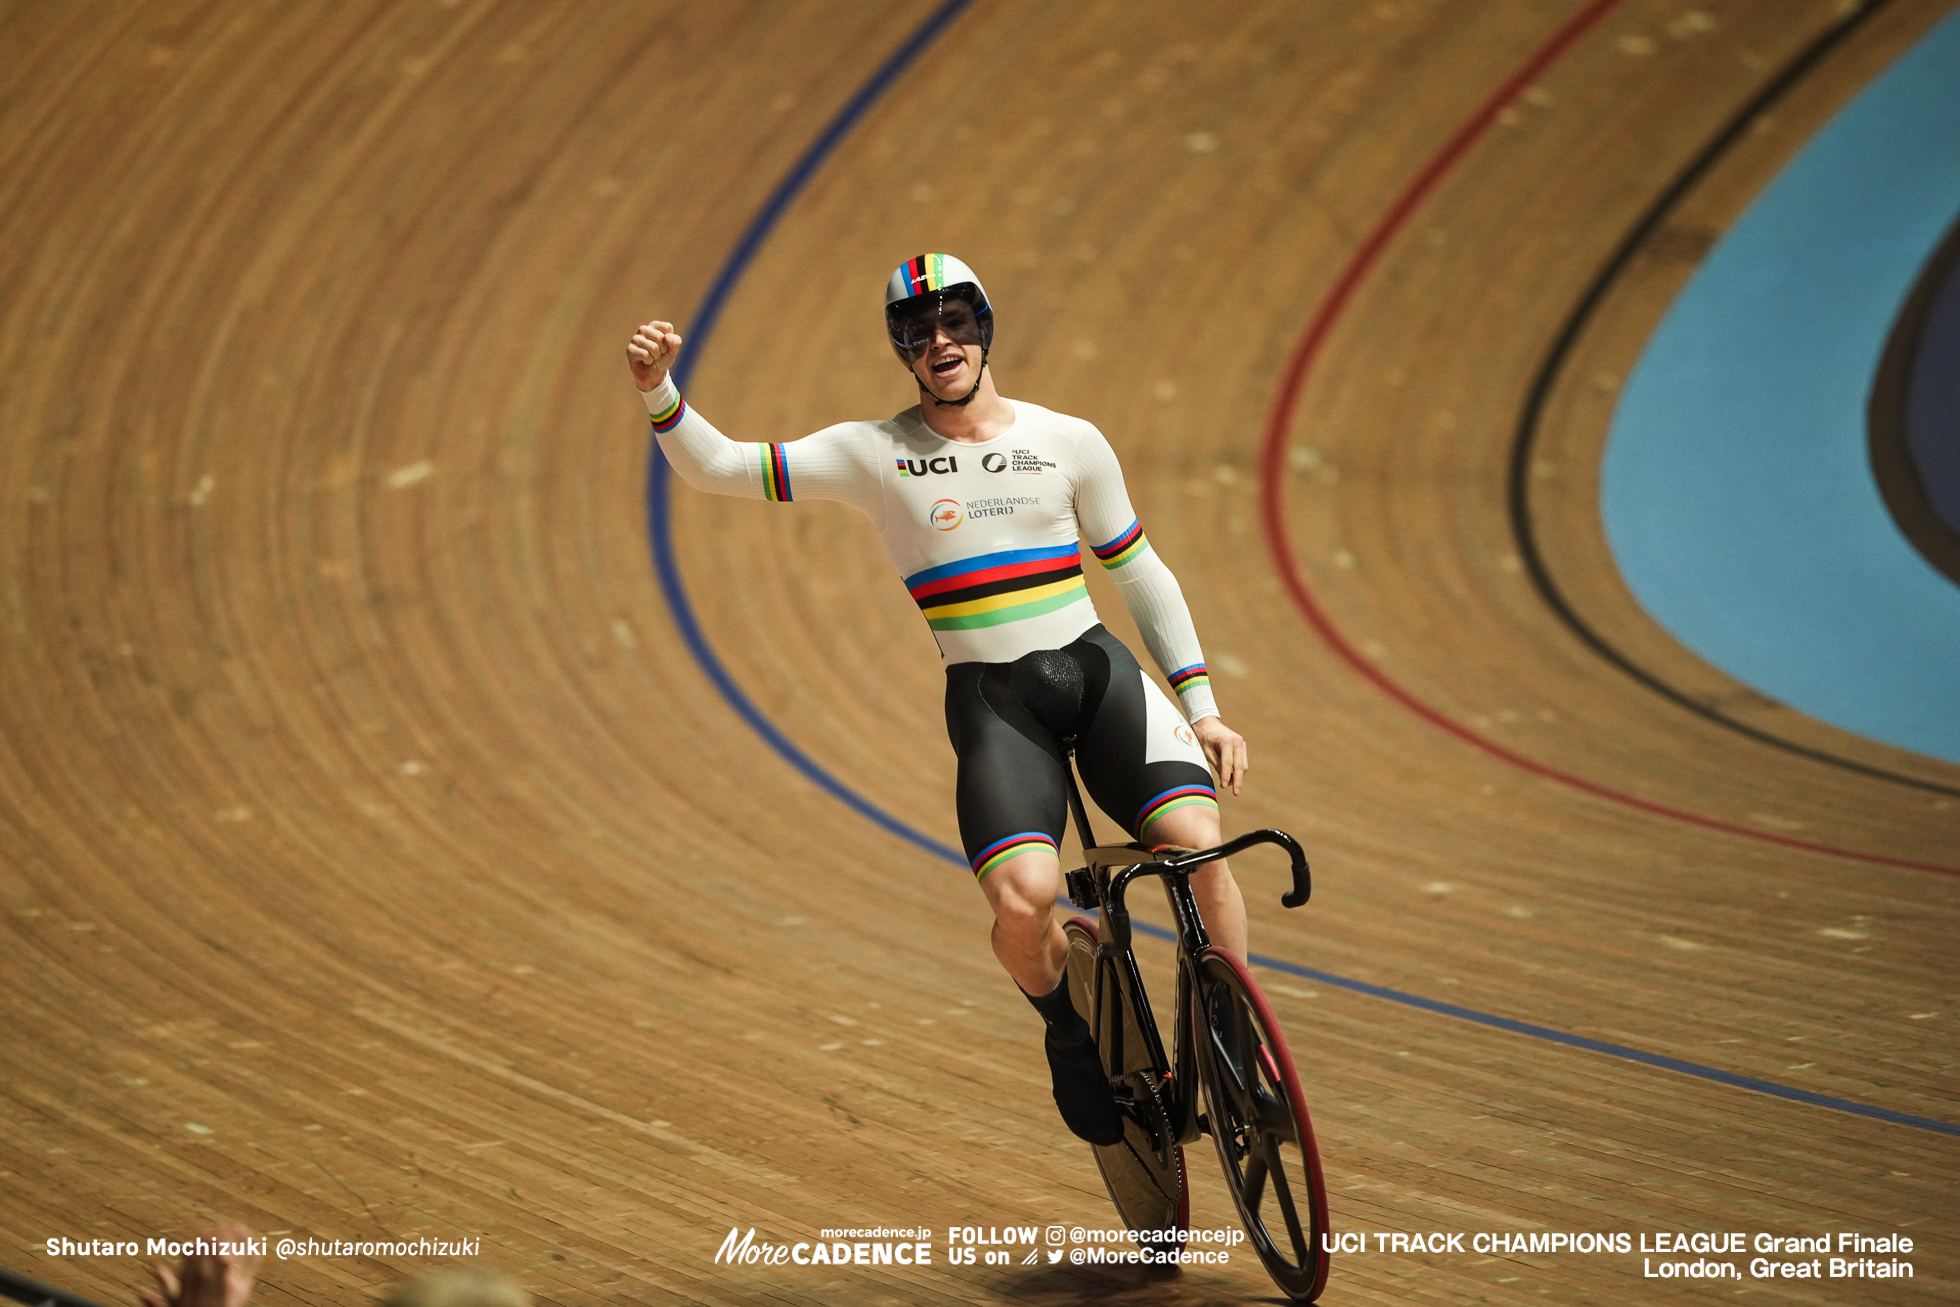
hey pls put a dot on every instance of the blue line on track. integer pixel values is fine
(667, 565)
(660, 476)
(1620, 1051)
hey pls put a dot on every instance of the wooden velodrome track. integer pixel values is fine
(380, 864)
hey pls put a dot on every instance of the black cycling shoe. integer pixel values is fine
(1082, 1093)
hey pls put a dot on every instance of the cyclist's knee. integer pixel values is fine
(1214, 878)
(1022, 891)
(1194, 826)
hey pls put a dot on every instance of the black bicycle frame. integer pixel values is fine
(1098, 887)
(1175, 871)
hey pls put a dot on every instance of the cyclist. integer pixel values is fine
(983, 503)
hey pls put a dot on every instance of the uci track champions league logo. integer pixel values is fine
(1024, 462)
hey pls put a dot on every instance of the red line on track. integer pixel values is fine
(1271, 460)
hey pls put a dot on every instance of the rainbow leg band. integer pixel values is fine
(1011, 847)
(1183, 796)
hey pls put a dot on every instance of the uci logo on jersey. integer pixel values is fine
(918, 467)
(946, 514)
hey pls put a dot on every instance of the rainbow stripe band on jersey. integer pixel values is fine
(1189, 678)
(1125, 548)
(996, 588)
(1181, 797)
(775, 474)
(670, 417)
(1011, 847)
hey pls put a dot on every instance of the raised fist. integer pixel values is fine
(651, 352)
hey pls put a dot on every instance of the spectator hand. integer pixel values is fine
(208, 1280)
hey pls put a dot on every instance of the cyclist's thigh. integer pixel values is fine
(1137, 756)
(1011, 793)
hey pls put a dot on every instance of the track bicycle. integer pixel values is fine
(1225, 1039)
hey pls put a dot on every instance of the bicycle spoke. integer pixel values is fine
(1283, 1196)
(1236, 1081)
(1254, 1184)
(1220, 1059)
(1274, 1114)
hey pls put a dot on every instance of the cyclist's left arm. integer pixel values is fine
(1109, 524)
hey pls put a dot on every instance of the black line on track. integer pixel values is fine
(1894, 464)
(1550, 371)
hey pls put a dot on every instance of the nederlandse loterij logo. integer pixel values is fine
(1184, 734)
(946, 514)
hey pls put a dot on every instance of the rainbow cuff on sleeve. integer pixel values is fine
(775, 474)
(1011, 847)
(668, 418)
(1181, 797)
(1189, 678)
(1127, 547)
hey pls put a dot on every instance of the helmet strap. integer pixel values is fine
(963, 400)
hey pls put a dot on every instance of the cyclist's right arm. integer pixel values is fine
(838, 463)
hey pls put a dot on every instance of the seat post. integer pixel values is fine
(1075, 807)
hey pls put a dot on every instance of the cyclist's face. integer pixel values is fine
(942, 343)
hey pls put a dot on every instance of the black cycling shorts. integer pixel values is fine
(1138, 758)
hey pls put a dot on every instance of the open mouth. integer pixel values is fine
(946, 367)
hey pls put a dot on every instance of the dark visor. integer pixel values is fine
(915, 322)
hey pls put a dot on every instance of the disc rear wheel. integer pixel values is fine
(1258, 1118)
(1144, 1173)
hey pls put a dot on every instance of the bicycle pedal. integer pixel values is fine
(1082, 889)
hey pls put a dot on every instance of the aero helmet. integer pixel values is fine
(916, 296)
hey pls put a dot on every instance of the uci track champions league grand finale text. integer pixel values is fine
(1739, 1255)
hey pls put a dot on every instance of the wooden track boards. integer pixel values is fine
(380, 865)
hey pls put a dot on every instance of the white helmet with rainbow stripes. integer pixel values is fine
(916, 304)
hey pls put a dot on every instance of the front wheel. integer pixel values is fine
(1258, 1119)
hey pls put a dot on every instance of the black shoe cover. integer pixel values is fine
(1082, 1093)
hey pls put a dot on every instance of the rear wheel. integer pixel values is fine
(1145, 1172)
(1258, 1118)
